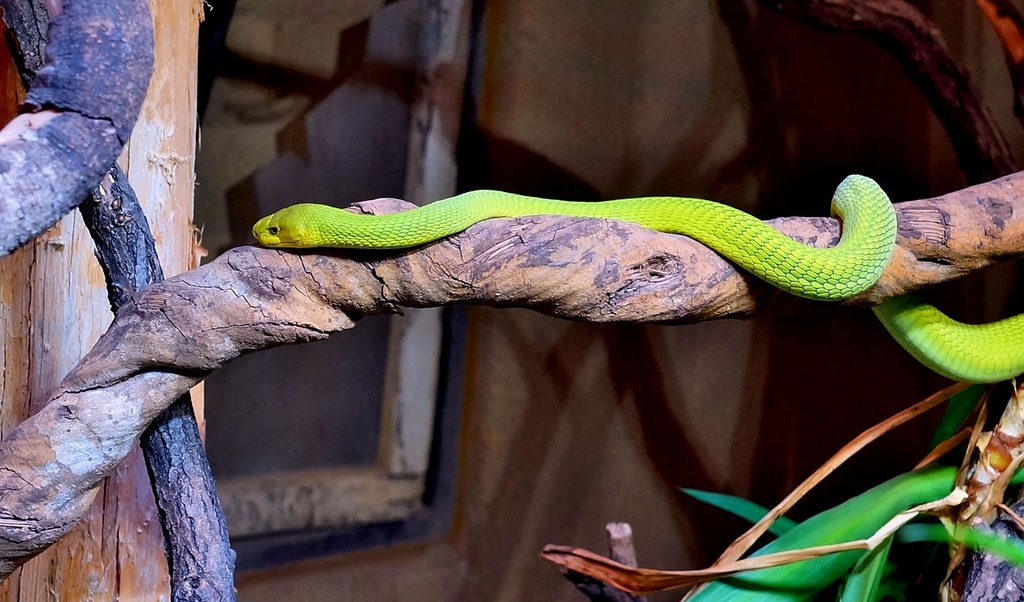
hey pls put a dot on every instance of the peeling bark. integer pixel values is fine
(991, 579)
(199, 555)
(26, 22)
(170, 335)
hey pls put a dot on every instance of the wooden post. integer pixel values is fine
(53, 307)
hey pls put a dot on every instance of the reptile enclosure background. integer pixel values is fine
(567, 426)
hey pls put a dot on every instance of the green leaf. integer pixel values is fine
(741, 507)
(958, 409)
(857, 518)
(862, 584)
(893, 589)
(976, 539)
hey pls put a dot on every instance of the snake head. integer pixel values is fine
(288, 227)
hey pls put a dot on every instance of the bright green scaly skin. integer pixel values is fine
(983, 353)
(840, 272)
(975, 353)
(978, 353)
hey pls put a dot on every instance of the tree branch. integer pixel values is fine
(914, 40)
(173, 333)
(199, 555)
(978, 143)
(75, 121)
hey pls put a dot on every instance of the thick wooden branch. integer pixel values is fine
(200, 560)
(980, 147)
(78, 114)
(170, 335)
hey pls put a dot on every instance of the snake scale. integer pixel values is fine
(968, 352)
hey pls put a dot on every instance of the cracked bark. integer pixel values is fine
(981, 149)
(171, 334)
(200, 560)
(990, 577)
(26, 29)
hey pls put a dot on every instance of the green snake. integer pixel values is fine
(968, 352)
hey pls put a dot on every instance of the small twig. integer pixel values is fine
(620, 543)
(1013, 516)
(622, 550)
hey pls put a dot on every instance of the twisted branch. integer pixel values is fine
(170, 335)
(199, 556)
(200, 560)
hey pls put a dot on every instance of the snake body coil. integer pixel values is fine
(976, 353)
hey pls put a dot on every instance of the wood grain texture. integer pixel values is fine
(45, 288)
(437, 107)
(313, 499)
(159, 162)
(198, 551)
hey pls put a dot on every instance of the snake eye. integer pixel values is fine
(272, 230)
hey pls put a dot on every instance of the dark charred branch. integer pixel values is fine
(199, 555)
(917, 44)
(79, 111)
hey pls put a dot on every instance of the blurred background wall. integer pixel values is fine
(567, 426)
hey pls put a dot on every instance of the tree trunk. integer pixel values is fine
(55, 306)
